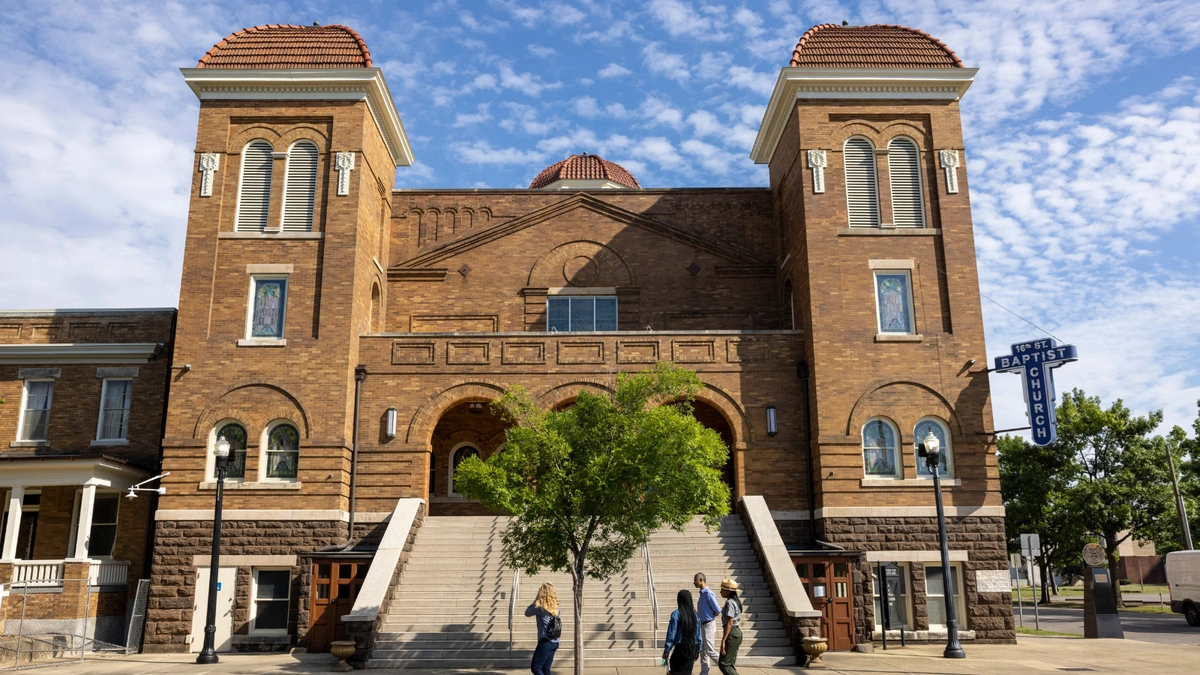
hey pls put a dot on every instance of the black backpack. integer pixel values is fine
(554, 628)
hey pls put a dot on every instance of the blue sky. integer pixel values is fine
(1082, 131)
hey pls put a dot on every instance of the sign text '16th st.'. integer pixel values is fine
(1035, 361)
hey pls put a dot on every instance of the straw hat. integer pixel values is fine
(729, 585)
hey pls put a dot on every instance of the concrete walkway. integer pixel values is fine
(1031, 655)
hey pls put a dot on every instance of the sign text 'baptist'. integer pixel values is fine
(1035, 362)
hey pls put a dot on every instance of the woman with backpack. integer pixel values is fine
(731, 618)
(549, 628)
(683, 633)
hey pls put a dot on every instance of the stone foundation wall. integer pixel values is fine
(989, 615)
(174, 574)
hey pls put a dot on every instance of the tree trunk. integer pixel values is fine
(1042, 568)
(1110, 552)
(577, 591)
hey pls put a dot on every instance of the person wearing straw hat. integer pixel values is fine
(731, 618)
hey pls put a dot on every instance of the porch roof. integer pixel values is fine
(98, 470)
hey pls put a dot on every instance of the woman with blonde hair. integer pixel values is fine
(549, 628)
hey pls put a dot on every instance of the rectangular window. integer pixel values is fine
(893, 300)
(898, 598)
(271, 592)
(104, 525)
(268, 306)
(35, 410)
(581, 313)
(114, 410)
(935, 595)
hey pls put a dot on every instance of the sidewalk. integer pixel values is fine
(1030, 655)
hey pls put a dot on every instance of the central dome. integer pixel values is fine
(583, 172)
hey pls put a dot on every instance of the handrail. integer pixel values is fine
(512, 608)
(653, 595)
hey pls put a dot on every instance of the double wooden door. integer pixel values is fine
(335, 585)
(829, 585)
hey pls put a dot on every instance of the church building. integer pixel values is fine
(344, 338)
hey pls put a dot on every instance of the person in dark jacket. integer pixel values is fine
(683, 634)
(544, 608)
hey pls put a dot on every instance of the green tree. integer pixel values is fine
(1033, 483)
(1120, 487)
(1185, 452)
(589, 484)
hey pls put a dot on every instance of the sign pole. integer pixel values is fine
(883, 604)
(1037, 624)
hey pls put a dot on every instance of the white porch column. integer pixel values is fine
(87, 501)
(13, 529)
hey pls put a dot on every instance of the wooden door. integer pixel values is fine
(335, 585)
(828, 582)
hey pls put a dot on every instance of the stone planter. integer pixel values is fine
(342, 650)
(814, 647)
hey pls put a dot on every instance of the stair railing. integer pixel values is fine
(512, 608)
(652, 594)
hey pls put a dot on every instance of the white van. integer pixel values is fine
(1183, 576)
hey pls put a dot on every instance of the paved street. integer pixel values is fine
(1031, 655)
(1160, 628)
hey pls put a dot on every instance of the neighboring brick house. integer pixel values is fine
(82, 401)
(834, 318)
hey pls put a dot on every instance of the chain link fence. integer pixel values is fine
(60, 615)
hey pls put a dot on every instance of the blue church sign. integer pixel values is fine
(1035, 362)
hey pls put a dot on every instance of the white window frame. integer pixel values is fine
(875, 172)
(75, 524)
(960, 600)
(912, 311)
(947, 448)
(572, 297)
(210, 468)
(128, 411)
(254, 629)
(898, 452)
(287, 286)
(453, 470)
(906, 574)
(263, 447)
(237, 213)
(24, 400)
(920, 182)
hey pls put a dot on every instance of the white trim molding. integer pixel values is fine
(584, 184)
(271, 514)
(892, 264)
(320, 84)
(118, 352)
(247, 560)
(914, 556)
(100, 472)
(793, 84)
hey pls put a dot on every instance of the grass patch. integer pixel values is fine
(1148, 609)
(1021, 630)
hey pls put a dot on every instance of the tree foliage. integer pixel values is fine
(588, 485)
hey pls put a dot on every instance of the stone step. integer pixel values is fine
(480, 651)
(528, 631)
(499, 624)
(520, 660)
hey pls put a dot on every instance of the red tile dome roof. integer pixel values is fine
(829, 45)
(585, 167)
(286, 46)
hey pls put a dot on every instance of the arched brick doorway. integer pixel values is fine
(708, 415)
(467, 428)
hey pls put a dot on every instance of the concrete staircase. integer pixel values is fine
(451, 607)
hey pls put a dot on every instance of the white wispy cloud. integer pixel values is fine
(471, 119)
(682, 19)
(613, 70)
(661, 62)
(527, 83)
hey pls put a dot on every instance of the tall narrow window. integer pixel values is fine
(283, 452)
(879, 439)
(236, 435)
(254, 188)
(35, 411)
(893, 300)
(268, 305)
(103, 535)
(935, 426)
(272, 590)
(460, 454)
(862, 184)
(300, 187)
(114, 410)
(904, 176)
(935, 594)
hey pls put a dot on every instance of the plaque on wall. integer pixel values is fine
(993, 581)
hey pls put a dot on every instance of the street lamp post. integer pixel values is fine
(930, 449)
(208, 655)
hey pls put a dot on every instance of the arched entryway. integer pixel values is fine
(711, 417)
(466, 429)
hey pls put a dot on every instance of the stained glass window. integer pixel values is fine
(270, 301)
(236, 435)
(923, 428)
(879, 449)
(283, 452)
(460, 455)
(893, 297)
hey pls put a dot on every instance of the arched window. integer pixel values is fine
(254, 186)
(375, 321)
(235, 434)
(904, 176)
(940, 432)
(460, 453)
(283, 452)
(432, 475)
(862, 184)
(879, 443)
(300, 187)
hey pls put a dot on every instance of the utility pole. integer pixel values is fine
(1179, 505)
